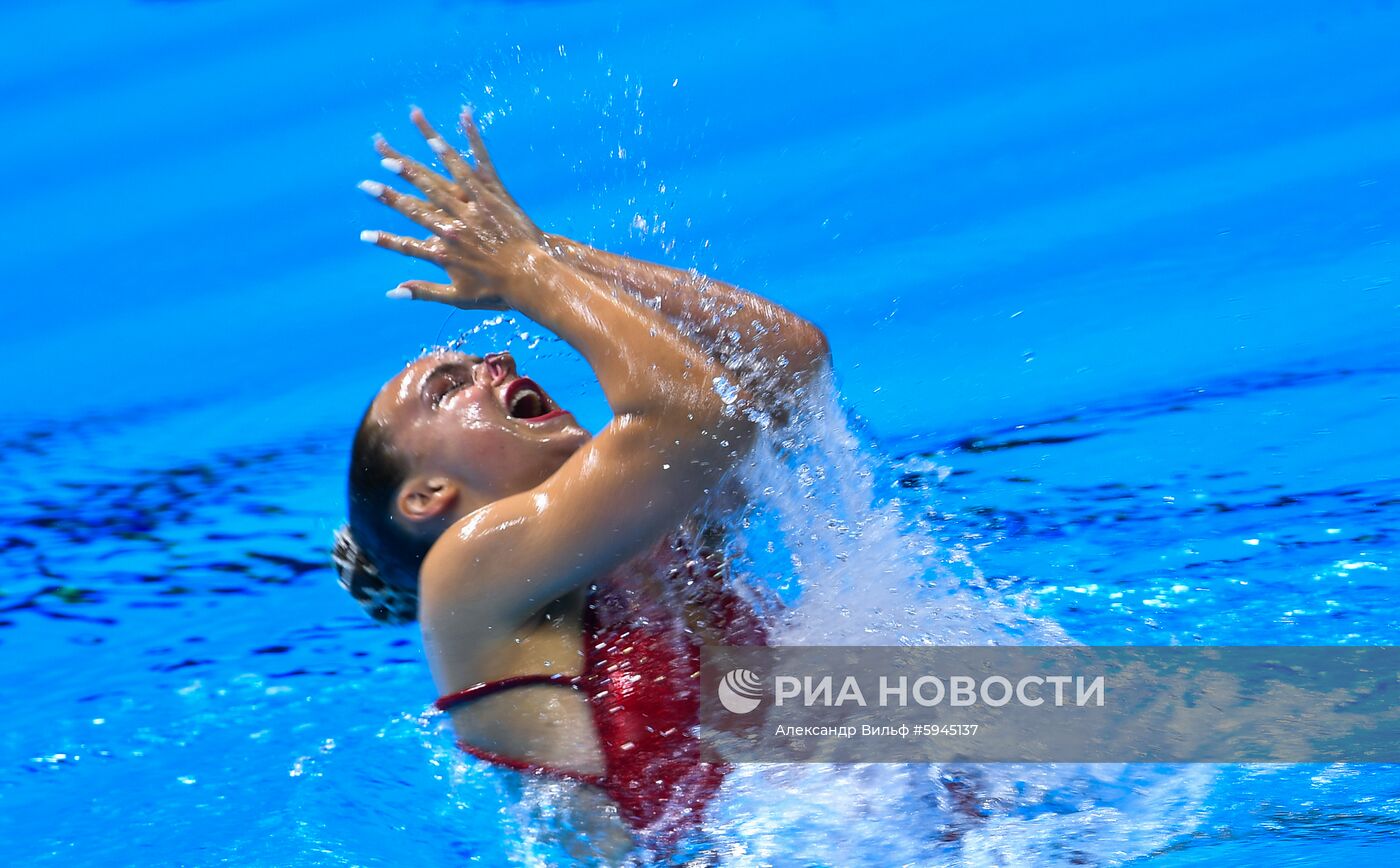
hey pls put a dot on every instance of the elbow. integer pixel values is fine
(819, 346)
(811, 348)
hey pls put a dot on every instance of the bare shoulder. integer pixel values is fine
(458, 573)
(463, 629)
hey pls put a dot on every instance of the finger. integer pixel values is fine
(423, 290)
(437, 188)
(485, 169)
(454, 162)
(428, 249)
(417, 210)
(446, 293)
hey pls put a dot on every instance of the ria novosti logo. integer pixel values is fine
(740, 691)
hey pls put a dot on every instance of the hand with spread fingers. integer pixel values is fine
(480, 236)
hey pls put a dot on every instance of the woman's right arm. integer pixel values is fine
(670, 440)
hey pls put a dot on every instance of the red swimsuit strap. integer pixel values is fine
(486, 688)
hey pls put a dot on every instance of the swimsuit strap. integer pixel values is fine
(486, 688)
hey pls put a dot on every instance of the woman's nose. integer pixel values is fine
(496, 367)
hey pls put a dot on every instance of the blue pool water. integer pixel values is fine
(1111, 294)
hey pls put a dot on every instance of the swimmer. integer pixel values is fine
(563, 581)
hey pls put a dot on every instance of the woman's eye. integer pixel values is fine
(447, 388)
(439, 389)
(444, 382)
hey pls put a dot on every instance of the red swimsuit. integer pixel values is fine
(640, 670)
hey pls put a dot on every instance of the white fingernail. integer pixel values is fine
(369, 236)
(374, 188)
(438, 145)
(393, 165)
(398, 292)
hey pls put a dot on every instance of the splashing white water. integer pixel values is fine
(848, 564)
(835, 562)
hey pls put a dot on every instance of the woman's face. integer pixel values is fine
(476, 421)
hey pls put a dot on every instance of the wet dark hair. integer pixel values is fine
(378, 558)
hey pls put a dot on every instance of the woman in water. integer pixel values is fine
(564, 582)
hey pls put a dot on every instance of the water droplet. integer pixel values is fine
(727, 391)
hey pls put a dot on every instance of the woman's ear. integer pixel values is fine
(427, 497)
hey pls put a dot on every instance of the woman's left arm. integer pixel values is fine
(727, 321)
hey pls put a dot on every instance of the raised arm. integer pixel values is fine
(737, 327)
(671, 438)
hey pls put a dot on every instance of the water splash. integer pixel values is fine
(834, 559)
(821, 532)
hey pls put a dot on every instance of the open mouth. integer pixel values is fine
(525, 400)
